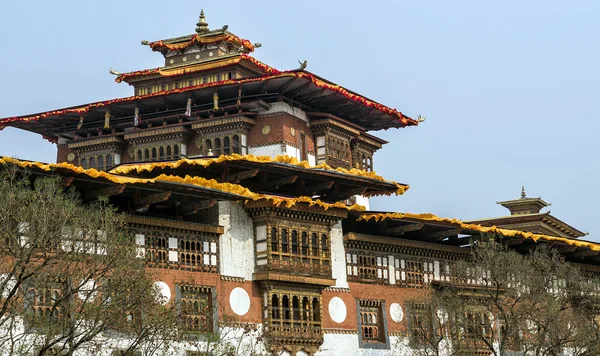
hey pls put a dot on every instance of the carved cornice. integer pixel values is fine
(174, 225)
(340, 331)
(300, 211)
(290, 278)
(97, 146)
(233, 279)
(219, 124)
(403, 246)
(154, 134)
(338, 289)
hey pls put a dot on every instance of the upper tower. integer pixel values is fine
(526, 215)
(213, 98)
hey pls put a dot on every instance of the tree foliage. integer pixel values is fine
(501, 301)
(69, 277)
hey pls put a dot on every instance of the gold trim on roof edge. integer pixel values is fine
(205, 162)
(492, 229)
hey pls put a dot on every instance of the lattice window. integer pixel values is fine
(196, 308)
(306, 250)
(291, 313)
(473, 326)
(156, 249)
(367, 267)
(371, 321)
(420, 322)
(198, 253)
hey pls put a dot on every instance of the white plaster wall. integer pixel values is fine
(286, 108)
(236, 245)
(362, 200)
(347, 345)
(292, 152)
(311, 160)
(338, 256)
(271, 150)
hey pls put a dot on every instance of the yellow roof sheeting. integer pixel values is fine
(195, 181)
(205, 162)
(492, 229)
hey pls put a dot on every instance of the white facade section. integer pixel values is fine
(270, 150)
(345, 344)
(337, 310)
(362, 200)
(338, 256)
(236, 245)
(311, 160)
(292, 152)
(285, 108)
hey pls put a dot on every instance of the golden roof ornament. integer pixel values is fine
(523, 195)
(202, 25)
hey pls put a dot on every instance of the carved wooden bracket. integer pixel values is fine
(279, 182)
(106, 192)
(237, 177)
(193, 208)
(144, 202)
(400, 230)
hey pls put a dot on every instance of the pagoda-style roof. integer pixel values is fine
(543, 222)
(203, 36)
(281, 175)
(222, 62)
(305, 89)
(386, 227)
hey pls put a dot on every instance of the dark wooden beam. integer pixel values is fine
(400, 230)
(324, 98)
(513, 241)
(582, 254)
(344, 194)
(299, 90)
(312, 94)
(105, 192)
(237, 177)
(287, 84)
(67, 181)
(193, 208)
(319, 187)
(565, 248)
(279, 182)
(146, 201)
(439, 235)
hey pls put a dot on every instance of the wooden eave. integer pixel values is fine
(292, 278)
(329, 185)
(545, 218)
(158, 199)
(449, 234)
(268, 88)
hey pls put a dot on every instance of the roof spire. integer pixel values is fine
(202, 25)
(523, 195)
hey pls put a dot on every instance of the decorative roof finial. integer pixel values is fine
(523, 195)
(202, 25)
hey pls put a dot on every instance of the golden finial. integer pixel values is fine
(523, 195)
(202, 25)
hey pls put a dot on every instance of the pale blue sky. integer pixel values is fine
(510, 90)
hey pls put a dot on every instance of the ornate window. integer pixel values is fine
(188, 251)
(293, 314)
(420, 322)
(196, 308)
(84, 163)
(371, 323)
(367, 267)
(299, 250)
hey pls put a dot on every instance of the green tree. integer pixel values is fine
(69, 276)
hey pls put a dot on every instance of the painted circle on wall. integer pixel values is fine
(239, 300)
(163, 292)
(266, 129)
(337, 310)
(396, 312)
(71, 157)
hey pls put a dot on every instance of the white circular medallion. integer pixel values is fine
(266, 129)
(71, 157)
(171, 61)
(210, 54)
(197, 56)
(87, 291)
(239, 300)
(184, 59)
(293, 131)
(163, 292)
(396, 312)
(337, 310)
